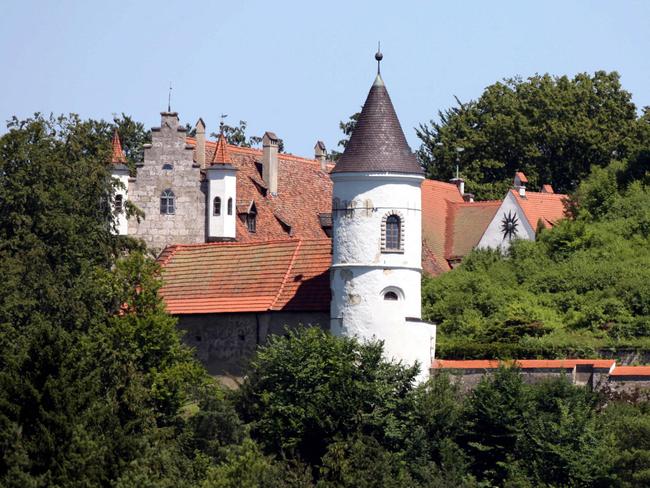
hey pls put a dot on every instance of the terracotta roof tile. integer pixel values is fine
(632, 371)
(524, 363)
(117, 155)
(221, 154)
(547, 207)
(247, 277)
(465, 225)
(521, 176)
(436, 197)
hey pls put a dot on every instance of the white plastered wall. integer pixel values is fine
(121, 222)
(493, 235)
(222, 183)
(361, 272)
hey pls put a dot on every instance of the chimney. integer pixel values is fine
(468, 197)
(270, 161)
(320, 154)
(460, 184)
(547, 189)
(200, 143)
(520, 183)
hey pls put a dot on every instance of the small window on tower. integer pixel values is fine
(167, 202)
(393, 232)
(168, 167)
(216, 206)
(230, 206)
(390, 295)
(119, 204)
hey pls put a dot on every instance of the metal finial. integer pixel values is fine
(222, 123)
(169, 98)
(379, 56)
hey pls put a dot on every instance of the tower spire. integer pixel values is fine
(117, 156)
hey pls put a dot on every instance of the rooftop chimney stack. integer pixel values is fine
(320, 153)
(200, 143)
(270, 161)
(519, 183)
(460, 184)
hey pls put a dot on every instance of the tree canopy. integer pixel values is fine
(554, 129)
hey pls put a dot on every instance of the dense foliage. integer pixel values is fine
(555, 129)
(582, 286)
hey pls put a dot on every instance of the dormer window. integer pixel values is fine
(167, 202)
(251, 221)
(230, 206)
(216, 206)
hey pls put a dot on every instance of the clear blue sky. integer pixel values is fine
(298, 68)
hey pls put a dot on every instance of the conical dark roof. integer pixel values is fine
(378, 142)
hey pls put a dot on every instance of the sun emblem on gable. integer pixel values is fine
(509, 224)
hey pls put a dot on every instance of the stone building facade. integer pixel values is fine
(168, 177)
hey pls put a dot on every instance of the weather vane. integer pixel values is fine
(379, 56)
(222, 123)
(169, 98)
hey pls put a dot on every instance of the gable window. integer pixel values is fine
(251, 221)
(119, 204)
(230, 206)
(390, 295)
(167, 202)
(216, 206)
(393, 232)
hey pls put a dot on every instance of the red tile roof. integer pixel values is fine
(436, 197)
(521, 176)
(631, 371)
(117, 156)
(465, 225)
(290, 275)
(545, 207)
(221, 154)
(304, 192)
(524, 363)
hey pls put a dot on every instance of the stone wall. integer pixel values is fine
(168, 164)
(225, 342)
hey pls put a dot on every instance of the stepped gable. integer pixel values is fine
(377, 142)
(304, 192)
(287, 275)
(466, 223)
(538, 206)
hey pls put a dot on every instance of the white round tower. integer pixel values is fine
(377, 237)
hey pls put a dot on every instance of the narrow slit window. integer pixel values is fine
(393, 232)
(230, 206)
(167, 202)
(119, 204)
(216, 206)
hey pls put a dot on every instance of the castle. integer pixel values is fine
(252, 241)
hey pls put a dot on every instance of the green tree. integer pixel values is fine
(347, 128)
(555, 129)
(308, 389)
(236, 135)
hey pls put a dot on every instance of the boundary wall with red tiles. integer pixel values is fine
(598, 374)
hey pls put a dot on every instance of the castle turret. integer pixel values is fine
(222, 194)
(377, 236)
(120, 172)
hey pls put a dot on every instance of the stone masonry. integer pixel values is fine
(168, 164)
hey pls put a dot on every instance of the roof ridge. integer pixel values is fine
(170, 250)
(286, 275)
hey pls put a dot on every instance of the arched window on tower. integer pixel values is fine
(390, 295)
(230, 206)
(167, 202)
(393, 233)
(216, 206)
